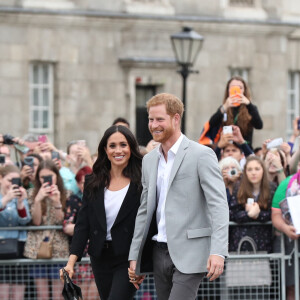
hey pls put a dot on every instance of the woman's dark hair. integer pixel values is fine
(49, 165)
(246, 187)
(101, 168)
(244, 117)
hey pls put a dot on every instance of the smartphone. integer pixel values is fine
(48, 179)
(274, 143)
(234, 92)
(16, 180)
(29, 161)
(42, 138)
(250, 201)
(54, 155)
(299, 124)
(81, 143)
(2, 158)
(22, 148)
(227, 129)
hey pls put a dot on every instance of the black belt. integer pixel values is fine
(161, 245)
(107, 245)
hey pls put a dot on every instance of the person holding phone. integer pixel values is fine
(111, 199)
(47, 205)
(237, 109)
(14, 211)
(29, 167)
(254, 185)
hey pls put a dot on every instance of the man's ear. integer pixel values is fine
(177, 118)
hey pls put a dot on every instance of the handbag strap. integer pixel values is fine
(250, 241)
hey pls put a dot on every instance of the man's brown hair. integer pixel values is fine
(173, 104)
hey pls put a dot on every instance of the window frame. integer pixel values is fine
(40, 86)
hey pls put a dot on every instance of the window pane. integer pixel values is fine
(292, 102)
(35, 97)
(35, 74)
(45, 69)
(45, 119)
(45, 97)
(292, 80)
(35, 119)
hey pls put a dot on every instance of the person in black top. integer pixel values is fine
(110, 202)
(238, 110)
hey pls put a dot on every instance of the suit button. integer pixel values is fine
(95, 232)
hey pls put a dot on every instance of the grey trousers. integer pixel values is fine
(170, 283)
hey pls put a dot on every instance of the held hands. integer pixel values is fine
(215, 267)
(253, 210)
(136, 280)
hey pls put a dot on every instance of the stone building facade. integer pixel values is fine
(69, 67)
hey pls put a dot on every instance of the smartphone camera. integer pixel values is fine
(16, 181)
(232, 172)
(48, 179)
(29, 161)
(2, 158)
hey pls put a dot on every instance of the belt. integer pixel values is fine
(161, 245)
(107, 245)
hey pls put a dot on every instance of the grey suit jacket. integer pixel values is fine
(196, 211)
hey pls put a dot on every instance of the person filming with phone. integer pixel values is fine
(14, 211)
(238, 109)
(47, 204)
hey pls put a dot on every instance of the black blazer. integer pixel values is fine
(91, 224)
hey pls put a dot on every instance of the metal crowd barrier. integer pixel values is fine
(19, 272)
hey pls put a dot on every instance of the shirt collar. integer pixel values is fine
(174, 148)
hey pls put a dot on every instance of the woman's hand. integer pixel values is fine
(254, 211)
(43, 192)
(244, 99)
(23, 195)
(69, 268)
(55, 194)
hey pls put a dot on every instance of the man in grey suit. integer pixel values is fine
(181, 228)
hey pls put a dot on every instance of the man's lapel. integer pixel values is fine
(178, 159)
(153, 177)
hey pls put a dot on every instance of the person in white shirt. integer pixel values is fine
(181, 229)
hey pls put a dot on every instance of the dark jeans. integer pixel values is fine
(111, 276)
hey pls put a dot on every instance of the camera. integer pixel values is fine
(232, 172)
(29, 161)
(48, 179)
(16, 181)
(8, 139)
(54, 155)
(2, 159)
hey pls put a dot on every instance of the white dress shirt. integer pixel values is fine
(163, 176)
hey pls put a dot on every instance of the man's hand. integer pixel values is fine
(215, 267)
(290, 231)
(136, 280)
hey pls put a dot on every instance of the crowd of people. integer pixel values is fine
(43, 185)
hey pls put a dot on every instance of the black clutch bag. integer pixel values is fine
(71, 291)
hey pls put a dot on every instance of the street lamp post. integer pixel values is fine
(186, 46)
